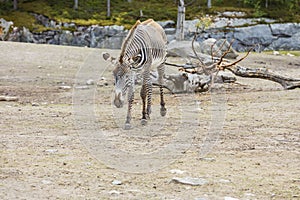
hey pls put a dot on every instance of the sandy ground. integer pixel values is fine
(62, 138)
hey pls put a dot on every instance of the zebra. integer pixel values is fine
(144, 46)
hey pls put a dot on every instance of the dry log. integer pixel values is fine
(210, 69)
(264, 73)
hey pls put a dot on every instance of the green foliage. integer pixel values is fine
(204, 23)
(124, 13)
(5, 6)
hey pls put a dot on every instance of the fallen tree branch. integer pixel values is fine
(264, 73)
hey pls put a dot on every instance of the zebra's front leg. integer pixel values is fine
(161, 72)
(149, 98)
(130, 102)
(144, 112)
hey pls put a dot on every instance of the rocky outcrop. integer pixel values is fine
(270, 36)
(277, 36)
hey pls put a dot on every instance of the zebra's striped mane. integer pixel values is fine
(127, 39)
(148, 22)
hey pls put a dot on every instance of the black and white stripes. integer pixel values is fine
(145, 46)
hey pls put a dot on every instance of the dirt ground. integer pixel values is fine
(63, 139)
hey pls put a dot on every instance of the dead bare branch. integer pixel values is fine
(197, 56)
(239, 60)
(264, 73)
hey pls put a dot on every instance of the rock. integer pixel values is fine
(285, 30)
(66, 38)
(224, 181)
(51, 150)
(289, 54)
(26, 36)
(167, 24)
(209, 159)
(182, 48)
(190, 26)
(230, 198)
(46, 182)
(8, 98)
(225, 77)
(116, 182)
(102, 83)
(170, 31)
(176, 82)
(4, 28)
(42, 19)
(190, 181)
(82, 87)
(177, 171)
(286, 43)
(233, 14)
(65, 87)
(219, 48)
(35, 104)
(114, 192)
(249, 195)
(114, 42)
(90, 82)
(248, 36)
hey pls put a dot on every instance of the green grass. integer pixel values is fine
(124, 13)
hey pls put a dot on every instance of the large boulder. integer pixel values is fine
(285, 30)
(259, 35)
(286, 43)
(182, 48)
(167, 24)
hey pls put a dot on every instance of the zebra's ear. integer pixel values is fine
(106, 56)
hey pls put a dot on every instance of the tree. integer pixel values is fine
(75, 4)
(15, 4)
(208, 3)
(180, 21)
(108, 8)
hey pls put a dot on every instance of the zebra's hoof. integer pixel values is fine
(144, 122)
(163, 112)
(127, 126)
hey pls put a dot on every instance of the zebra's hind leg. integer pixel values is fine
(144, 113)
(161, 72)
(163, 110)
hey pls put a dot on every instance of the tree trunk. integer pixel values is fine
(108, 8)
(75, 4)
(180, 21)
(208, 3)
(15, 4)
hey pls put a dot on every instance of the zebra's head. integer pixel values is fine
(123, 78)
